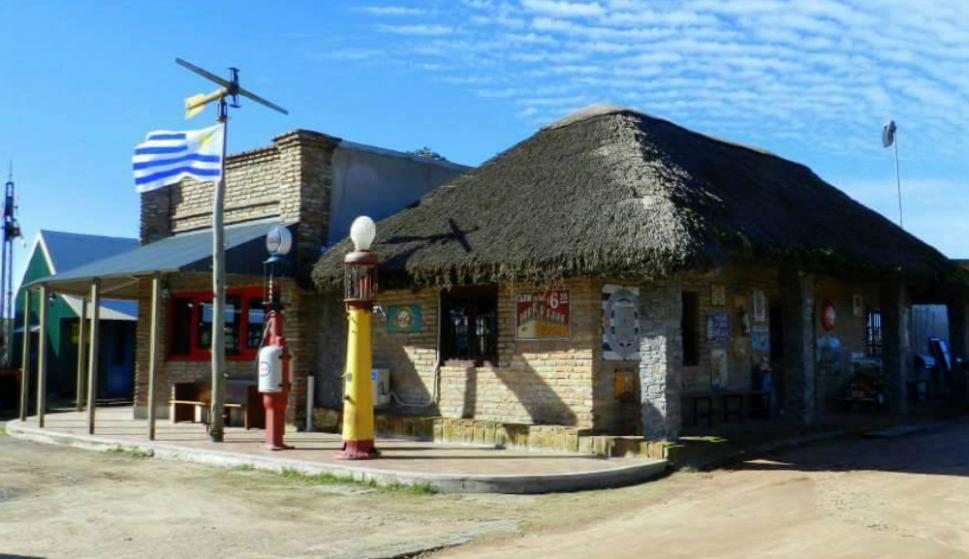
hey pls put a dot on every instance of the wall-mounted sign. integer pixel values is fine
(620, 323)
(719, 369)
(829, 315)
(760, 306)
(279, 240)
(543, 315)
(624, 385)
(403, 319)
(760, 339)
(718, 295)
(718, 327)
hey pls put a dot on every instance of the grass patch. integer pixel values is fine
(326, 478)
(131, 452)
(3, 430)
(243, 468)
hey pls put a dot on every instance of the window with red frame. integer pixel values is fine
(190, 324)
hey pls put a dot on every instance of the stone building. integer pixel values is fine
(312, 183)
(621, 274)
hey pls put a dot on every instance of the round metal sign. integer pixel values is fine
(279, 240)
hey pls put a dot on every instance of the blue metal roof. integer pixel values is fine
(72, 250)
(185, 252)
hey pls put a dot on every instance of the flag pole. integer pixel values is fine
(229, 88)
(216, 423)
(898, 181)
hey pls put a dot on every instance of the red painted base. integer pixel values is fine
(357, 450)
(275, 406)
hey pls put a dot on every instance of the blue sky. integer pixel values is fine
(812, 81)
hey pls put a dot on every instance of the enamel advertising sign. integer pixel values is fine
(543, 315)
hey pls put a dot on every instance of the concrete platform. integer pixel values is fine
(446, 467)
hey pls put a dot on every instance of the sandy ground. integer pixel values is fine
(905, 497)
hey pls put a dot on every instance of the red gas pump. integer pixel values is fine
(274, 381)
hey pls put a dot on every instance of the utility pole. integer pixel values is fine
(229, 89)
(11, 231)
(890, 138)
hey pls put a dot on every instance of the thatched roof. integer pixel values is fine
(613, 192)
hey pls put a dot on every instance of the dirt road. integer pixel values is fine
(906, 497)
(61, 502)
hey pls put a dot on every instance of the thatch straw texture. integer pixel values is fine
(612, 192)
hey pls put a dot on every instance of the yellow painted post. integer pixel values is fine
(42, 358)
(358, 402)
(81, 352)
(25, 361)
(360, 283)
(92, 355)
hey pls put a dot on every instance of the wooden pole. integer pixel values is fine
(25, 361)
(42, 358)
(92, 355)
(81, 353)
(153, 352)
(218, 292)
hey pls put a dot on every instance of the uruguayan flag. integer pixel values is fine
(167, 157)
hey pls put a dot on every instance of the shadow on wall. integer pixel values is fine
(539, 399)
(332, 356)
(413, 389)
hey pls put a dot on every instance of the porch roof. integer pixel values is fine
(185, 252)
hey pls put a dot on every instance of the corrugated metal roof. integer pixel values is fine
(71, 250)
(190, 252)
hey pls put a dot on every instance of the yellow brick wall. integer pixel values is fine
(533, 381)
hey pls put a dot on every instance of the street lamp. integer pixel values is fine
(359, 283)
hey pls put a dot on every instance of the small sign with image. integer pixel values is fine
(403, 319)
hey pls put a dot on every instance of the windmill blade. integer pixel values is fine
(246, 93)
(204, 73)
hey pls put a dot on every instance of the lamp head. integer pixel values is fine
(362, 233)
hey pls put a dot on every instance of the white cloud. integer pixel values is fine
(394, 11)
(823, 72)
(420, 29)
(561, 8)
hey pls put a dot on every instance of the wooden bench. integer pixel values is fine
(190, 401)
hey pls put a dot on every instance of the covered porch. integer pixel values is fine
(148, 274)
(404, 460)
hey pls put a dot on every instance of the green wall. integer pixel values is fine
(61, 349)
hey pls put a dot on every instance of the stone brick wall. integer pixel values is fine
(252, 192)
(739, 285)
(289, 180)
(661, 359)
(410, 357)
(533, 382)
